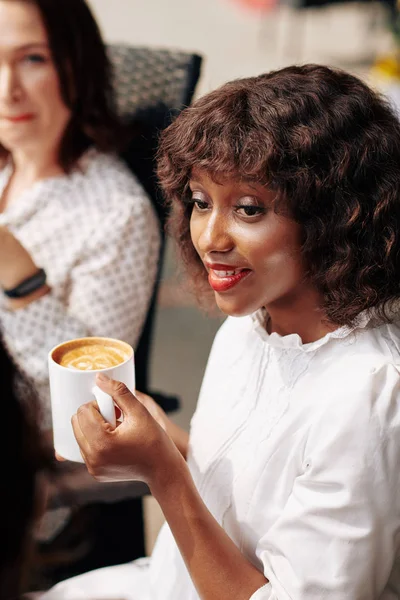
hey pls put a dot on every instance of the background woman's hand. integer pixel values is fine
(137, 449)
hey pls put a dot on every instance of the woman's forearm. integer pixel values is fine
(218, 569)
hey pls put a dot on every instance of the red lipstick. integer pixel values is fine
(224, 277)
(20, 118)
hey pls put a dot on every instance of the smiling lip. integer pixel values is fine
(224, 277)
(20, 118)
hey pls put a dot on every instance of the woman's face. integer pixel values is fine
(252, 255)
(33, 115)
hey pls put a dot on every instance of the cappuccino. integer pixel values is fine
(92, 354)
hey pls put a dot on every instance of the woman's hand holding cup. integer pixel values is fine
(137, 449)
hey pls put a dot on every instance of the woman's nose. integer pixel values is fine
(215, 236)
(9, 87)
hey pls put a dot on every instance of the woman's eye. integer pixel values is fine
(250, 211)
(200, 204)
(35, 58)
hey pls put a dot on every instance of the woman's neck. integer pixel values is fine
(27, 170)
(32, 165)
(303, 316)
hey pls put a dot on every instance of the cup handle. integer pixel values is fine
(106, 405)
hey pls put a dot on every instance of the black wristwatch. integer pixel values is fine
(27, 286)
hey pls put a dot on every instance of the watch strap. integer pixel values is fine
(27, 286)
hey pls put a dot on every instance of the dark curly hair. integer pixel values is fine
(329, 147)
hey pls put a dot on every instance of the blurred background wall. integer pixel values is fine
(237, 41)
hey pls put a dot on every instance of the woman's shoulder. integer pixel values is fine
(368, 353)
(105, 178)
(359, 416)
(385, 340)
(356, 389)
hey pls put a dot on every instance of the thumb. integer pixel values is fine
(121, 395)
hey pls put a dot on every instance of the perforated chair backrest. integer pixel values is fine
(146, 78)
(152, 86)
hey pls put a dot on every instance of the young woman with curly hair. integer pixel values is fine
(285, 191)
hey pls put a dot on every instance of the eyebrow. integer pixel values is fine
(33, 45)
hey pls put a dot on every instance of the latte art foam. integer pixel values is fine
(93, 357)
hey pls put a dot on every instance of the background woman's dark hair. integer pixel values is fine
(85, 77)
(23, 459)
(330, 148)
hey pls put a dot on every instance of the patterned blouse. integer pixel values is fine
(96, 234)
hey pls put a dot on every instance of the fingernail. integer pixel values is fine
(102, 377)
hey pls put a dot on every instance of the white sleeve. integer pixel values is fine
(108, 294)
(338, 535)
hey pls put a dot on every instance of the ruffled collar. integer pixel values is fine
(294, 342)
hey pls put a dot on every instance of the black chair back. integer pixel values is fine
(152, 87)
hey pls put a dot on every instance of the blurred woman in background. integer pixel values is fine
(79, 239)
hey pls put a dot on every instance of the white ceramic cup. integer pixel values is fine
(70, 388)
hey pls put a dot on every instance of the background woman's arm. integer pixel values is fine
(108, 294)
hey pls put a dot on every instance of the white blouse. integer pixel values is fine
(295, 449)
(95, 233)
